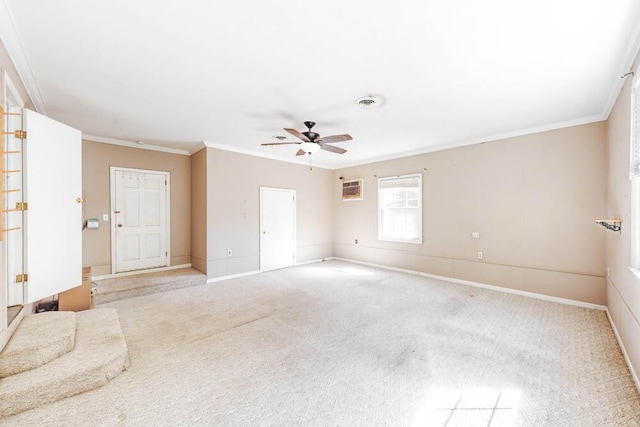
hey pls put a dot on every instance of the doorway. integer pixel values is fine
(277, 228)
(140, 219)
(12, 219)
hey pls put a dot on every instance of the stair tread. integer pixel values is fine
(146, 280)
(39, 339)
(100, 354)
(109, 290)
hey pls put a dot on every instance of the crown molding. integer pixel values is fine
(473, 141)
(633, 50)
(131, 144)
(197, 148)
(15, 49)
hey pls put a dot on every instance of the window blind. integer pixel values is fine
(410, 181)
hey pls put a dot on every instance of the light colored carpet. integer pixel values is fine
(339, 344)
(108, 290)
(39, 339)
(99, 354)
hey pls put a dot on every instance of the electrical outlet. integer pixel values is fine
(229, 252)
(105, 217)
(480, 255)
(475, 235)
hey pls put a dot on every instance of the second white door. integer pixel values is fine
(277, 228)
(140, 219)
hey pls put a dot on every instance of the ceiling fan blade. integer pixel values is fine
(333, 149)
(297, 134)
(280, 143)
(301, 152)
(335, 138)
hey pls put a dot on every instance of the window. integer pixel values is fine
(635, 174)
(400, 208)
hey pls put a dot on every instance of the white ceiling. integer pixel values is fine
(235, 73)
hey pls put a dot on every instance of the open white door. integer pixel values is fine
(53, 191)
(277, 228)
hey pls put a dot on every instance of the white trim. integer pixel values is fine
(295, 212)
(624, 67)
(624, 351)
(233, 276)
(480, 140)
(635, 272)
(197, 148)
(425, 150)
(299, 160)
(313, 261)
(421, 193)
(145, 271)
(4, 282)
(15, 49)
(131, 144)
(484, 286)
(112, 201)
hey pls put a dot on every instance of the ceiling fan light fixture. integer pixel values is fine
(309, 147)
(369, 101)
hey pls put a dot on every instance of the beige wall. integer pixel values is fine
(533, 200)
(199, 210)
(623, 288)
(96, 160)
(233, 208)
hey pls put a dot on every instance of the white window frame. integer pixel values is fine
(634, 175)
(387, 238)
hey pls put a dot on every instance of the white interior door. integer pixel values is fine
(53, 222)
(277, 228)
(140, 219)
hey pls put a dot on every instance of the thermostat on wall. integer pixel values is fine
(93, 223)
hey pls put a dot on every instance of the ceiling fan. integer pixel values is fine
(312, 142)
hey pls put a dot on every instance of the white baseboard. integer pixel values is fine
(250, 273)
(133, 273)
(624, 351)
(313, 261)
(483, 285)
(233, 276)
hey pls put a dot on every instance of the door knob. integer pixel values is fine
(119, 225)
(79, 200)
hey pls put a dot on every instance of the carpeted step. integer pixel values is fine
(39, 339)
(108, 290)
(100, 354)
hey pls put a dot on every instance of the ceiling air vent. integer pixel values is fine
(369, 101)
